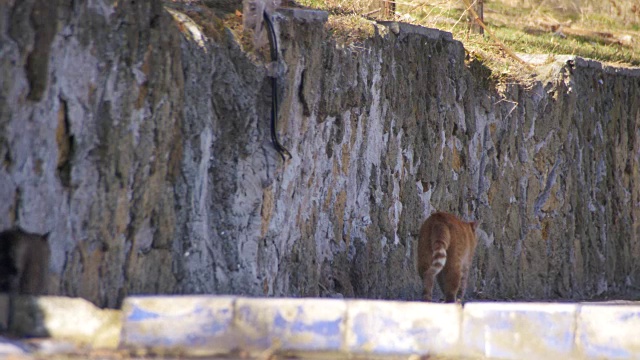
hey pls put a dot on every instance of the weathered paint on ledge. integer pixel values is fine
(192, 326)
(389, 328)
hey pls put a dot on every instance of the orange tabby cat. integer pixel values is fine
(445, 250)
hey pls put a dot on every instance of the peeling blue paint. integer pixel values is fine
(361, 328)
(152, 340)
(629, 316)
(141, 315)
(605, 352)
(323, 328)
(196, 340)
(366, 332)
(215, 327)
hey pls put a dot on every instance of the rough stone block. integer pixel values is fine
(609, 331)
(190, 325)
(519, 331)
(305, 15)
(297, 325)
(404, 28)
(402, 328)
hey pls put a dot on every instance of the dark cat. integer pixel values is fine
(24, 262)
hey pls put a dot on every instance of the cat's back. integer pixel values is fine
(461, 233)
(443, 219)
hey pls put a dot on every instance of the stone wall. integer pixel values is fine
(140, 138)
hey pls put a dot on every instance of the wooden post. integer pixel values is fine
(478, 6)
(389, 9)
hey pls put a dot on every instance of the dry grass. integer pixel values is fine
(350, 29)
(604, 30)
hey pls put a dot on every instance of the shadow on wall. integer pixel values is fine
(24, 269)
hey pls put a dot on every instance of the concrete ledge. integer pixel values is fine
(402, 328)
(9, 347)
(369, 328)
(306, 325)
(70, 319)
(519, 330)
(204, 326)
(193, 325)
(609, 332)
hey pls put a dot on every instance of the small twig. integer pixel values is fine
(372, 12)
(514, 103)
(323, 288)
(459, 19)
(414, 6)
(537, 9)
